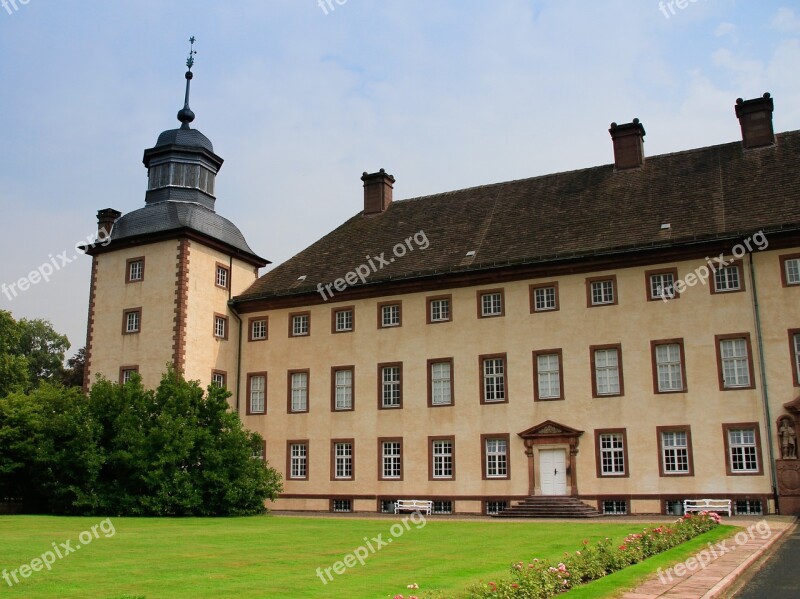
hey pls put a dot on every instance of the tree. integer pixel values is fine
(72, 376)
(44, 348)
(13, 365)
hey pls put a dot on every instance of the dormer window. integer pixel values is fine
(181, 174)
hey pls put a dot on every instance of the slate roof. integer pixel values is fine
(709, 193)
(170, 215)
(184, 137)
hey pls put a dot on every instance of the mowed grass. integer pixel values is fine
(276, 556)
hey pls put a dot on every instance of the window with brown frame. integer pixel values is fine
(257, 328)
(675, 450)
(256, 393)
(343, 459)
(222, 276)
(299, 324)
(440, 382)
(734, 362)
(544, 297)
(495, 452)
(611, 453)
(298, 384)
(390, 386)
(669, 370)
(343, 388)
(790, 270)
(220, 326)
(219, 378)
(607, 377)
(390, 314)
(439, 309)
(390, 458)
(134, 270)
(742, 449)
(493, 378)
(260, 451)
(548, 375)
(601, 291)
(660, 284)
(442, 458)
(297, 461)
(126, 373)
(727, 279)
(131, 321)
(491, 303)
(343, 320)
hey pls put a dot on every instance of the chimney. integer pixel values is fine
(377, 192)
(755, 118)
(105, 221)
(628, 144)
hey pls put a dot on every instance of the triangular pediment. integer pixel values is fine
(550, 428)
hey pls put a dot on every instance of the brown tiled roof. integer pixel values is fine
(716, 192)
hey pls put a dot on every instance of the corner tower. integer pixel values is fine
(162, 275)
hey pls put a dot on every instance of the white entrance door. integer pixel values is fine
(553, 471)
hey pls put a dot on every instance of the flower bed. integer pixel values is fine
(539, 579)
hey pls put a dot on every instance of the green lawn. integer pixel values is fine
(274, 556)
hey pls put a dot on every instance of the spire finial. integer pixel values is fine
(185, 115)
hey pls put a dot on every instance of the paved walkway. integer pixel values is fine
(712, 572)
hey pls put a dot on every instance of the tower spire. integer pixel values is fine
(185, 114)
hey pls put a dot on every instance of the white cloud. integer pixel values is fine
(786, 20)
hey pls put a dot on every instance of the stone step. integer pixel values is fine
(549, 506)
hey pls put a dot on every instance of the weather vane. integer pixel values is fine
(192, 52)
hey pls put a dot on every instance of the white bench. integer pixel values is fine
(707, 505)
(413, 505)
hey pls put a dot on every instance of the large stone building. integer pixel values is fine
(626, 335)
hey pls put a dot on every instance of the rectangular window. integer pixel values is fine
(490, 303)
(343, 320)
(612, 453)
(259, 451)
(219, 378)
(134, 270)
(386, 506)
(440, 382)
(616, 507)
(391, 459)
(257, 393)
(748, 507)
(607, 370)
(442, 462)
(258, 329)
(494, 388)
(743, 446)
(126, 373)
(661, 284)
(727, 279)
(389, 315)
(790, 270)
(391, 386)
(298, 391)
(222, 277)
(495, 456)
(442, 506)
(734, 361)
(220, 326)
(439, 309)
(601, 291)
(493, 508)
(676, 450)
(342, 505)
(794, 345)
(667, 356)
(132, 321)
(297, 458)
(544, 297)
(548, 378)
(299, 324)
(342, 459)
(342, 392)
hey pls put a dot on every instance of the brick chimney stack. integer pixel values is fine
(105, 221)
(377, 192)
(755, 118)
(628, 144)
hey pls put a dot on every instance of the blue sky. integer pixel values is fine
(299, 101)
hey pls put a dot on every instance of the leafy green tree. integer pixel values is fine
(73, 373)
(20, 433)
(13, 365)
(44, 348)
